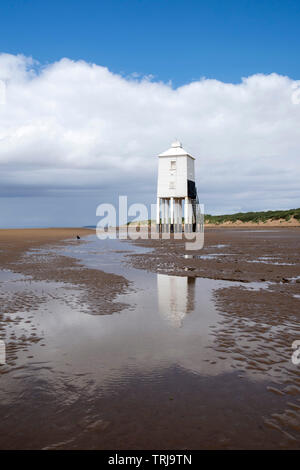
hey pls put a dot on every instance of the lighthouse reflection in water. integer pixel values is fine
(176, 298)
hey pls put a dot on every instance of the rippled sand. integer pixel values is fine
(114, 345)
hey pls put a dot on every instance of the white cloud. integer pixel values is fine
(77, 125)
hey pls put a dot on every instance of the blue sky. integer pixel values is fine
(94, 90)
(173, 40)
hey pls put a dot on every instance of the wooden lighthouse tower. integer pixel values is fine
(176, 190)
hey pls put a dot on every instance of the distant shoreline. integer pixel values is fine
(279, 223)
(279, 218)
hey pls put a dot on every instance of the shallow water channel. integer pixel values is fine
(146, 377)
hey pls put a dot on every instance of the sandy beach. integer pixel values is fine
(101, 354)
(20, 253)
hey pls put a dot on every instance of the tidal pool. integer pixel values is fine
(149, 376)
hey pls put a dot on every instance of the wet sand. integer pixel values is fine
(22, 252)
(94, 363)
(231, 254)
(259, 324)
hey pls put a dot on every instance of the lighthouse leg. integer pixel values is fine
(175, 215)
(162, 215)
(172, 214)
(166, 215)
(186, 214)
(190, 216)
(180, 215)
(158, 215)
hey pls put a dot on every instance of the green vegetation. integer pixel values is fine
(254, 217)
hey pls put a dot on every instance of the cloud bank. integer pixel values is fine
(75, 126)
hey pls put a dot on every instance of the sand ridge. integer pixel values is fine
(19, 252)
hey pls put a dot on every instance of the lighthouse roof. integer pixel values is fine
(175, 150)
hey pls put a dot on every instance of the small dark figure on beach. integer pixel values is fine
(78, 237)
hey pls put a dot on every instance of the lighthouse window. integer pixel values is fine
(173, 165)
(172, 185)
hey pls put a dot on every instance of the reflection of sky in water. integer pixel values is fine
(253, 230)
(208, 256)
(176, 297)
(156, 365)
(270, 260)
(167, 323)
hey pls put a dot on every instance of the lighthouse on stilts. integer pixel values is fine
(176, 190)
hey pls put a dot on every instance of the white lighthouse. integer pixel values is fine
(175, 185)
